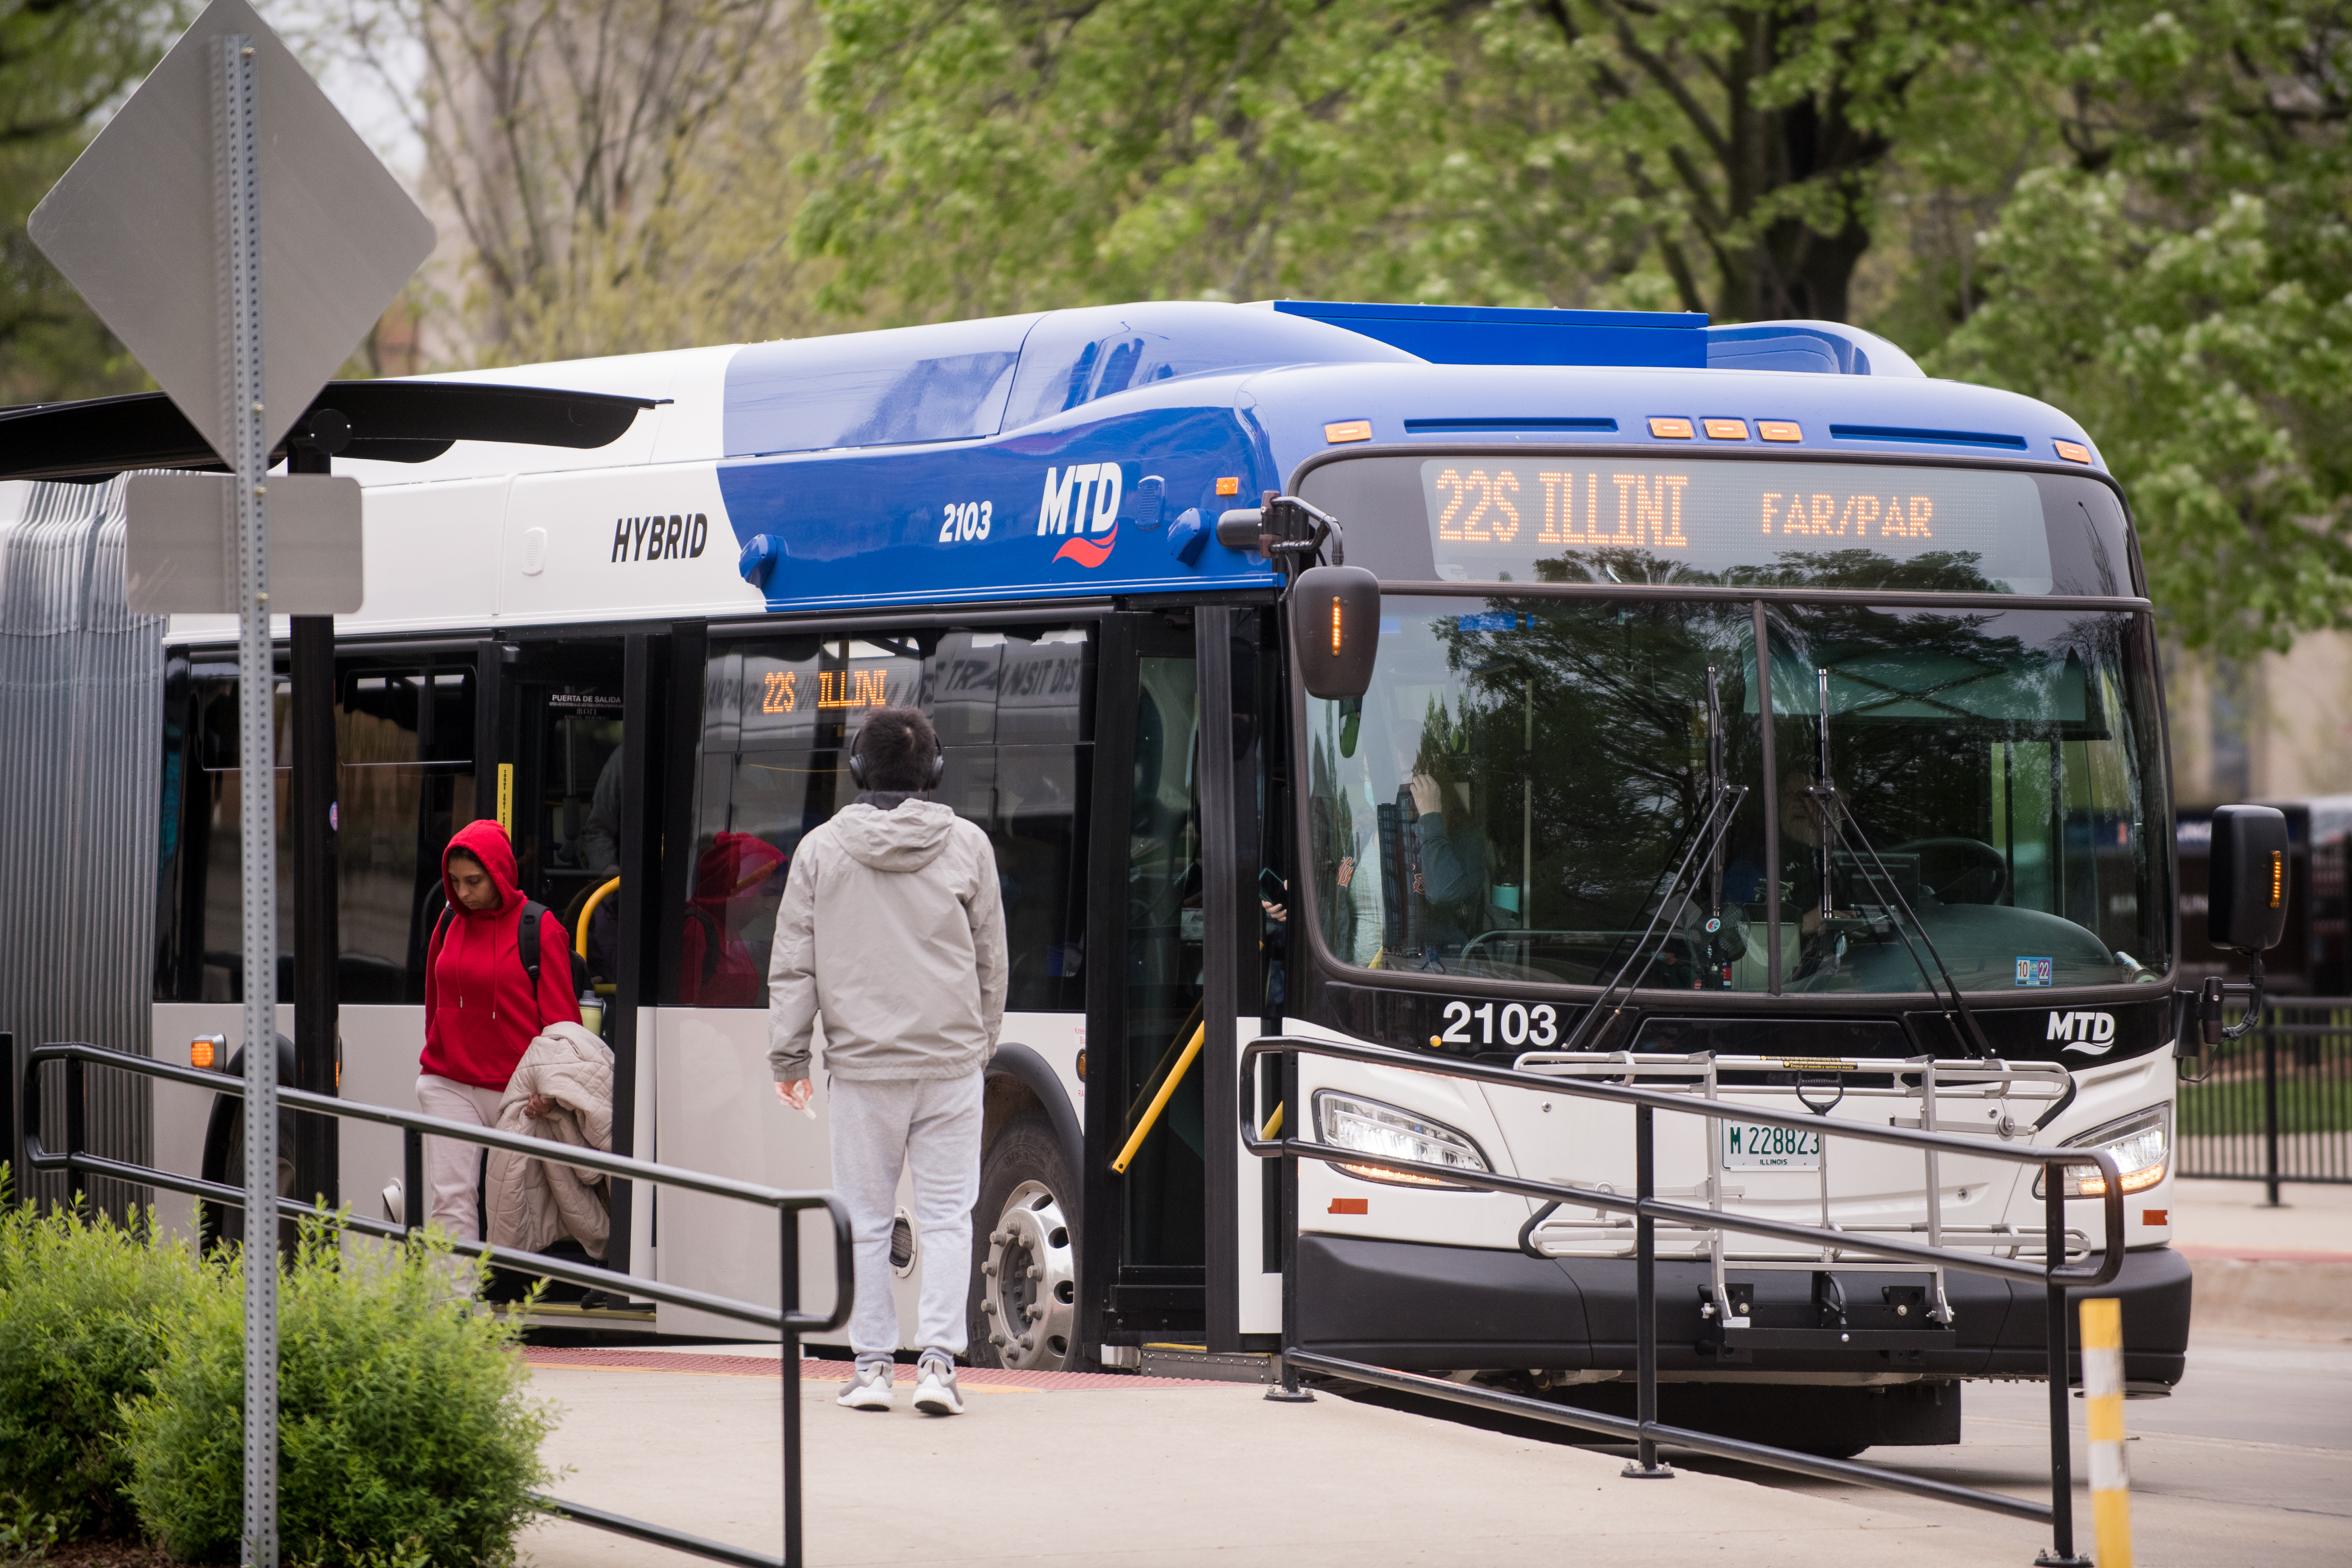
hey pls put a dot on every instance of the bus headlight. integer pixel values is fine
(1351, 1122)
(2140, 1144)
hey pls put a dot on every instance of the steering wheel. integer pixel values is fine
(1981, 879)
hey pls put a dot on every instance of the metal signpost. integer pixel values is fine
(237, 175)
(340, 238)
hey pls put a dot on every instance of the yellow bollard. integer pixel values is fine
(2103, 1397)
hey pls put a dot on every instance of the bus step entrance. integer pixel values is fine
(1198, 1361)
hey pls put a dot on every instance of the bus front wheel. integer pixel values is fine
(1024, 1308)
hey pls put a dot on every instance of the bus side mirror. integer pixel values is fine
(1335, 628)
(1242, 530)
(2246, 912)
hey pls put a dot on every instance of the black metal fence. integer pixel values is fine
(77, 1166)
(2054, 1274)
(2275, 1106)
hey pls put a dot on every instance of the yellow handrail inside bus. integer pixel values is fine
(1273, 1125)
(580, 937)
(1159, 1101)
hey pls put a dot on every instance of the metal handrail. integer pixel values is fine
(2054, 1275)
(790, 1324)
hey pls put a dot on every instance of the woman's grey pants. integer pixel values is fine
(931, 1127)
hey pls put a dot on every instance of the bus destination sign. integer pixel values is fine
(1557, 520)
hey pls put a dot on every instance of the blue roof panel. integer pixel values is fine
(1472, 335)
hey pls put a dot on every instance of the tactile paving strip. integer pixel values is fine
(819, 1371)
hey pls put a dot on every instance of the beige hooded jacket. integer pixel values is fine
(892, 926)
(530, 1203)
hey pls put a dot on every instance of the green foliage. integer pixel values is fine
(61, 65)
(1689, 153)
(25, 1533)
(2181, 282)
(86, 1308)
(405, 1437)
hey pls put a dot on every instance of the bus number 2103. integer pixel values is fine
(965, 519)
(1515, 1024)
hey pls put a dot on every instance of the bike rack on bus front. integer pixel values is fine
(1646, 1433)
(788, 1323)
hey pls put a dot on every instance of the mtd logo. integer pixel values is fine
(2094, 1034)
(1066, 510)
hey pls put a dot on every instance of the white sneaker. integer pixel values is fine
(869, 1387)
(935, 1391)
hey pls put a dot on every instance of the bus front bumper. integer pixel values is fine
(1418, 1306)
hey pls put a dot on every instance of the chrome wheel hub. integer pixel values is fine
(1028, 1297)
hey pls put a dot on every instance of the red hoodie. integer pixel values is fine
(480, 1013)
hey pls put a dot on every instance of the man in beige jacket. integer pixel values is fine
(892, 927)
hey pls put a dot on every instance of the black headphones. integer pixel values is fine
(857, 760)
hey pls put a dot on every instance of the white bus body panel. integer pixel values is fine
(715, 1110)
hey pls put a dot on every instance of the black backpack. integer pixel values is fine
(534, 915)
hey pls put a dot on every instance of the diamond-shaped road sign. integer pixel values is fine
(131, 226)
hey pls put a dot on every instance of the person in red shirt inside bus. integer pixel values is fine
(735, 880)
(481, 1011)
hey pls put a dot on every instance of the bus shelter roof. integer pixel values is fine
(388, 421)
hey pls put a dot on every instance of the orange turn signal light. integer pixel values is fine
(2073, 451)
(1348, 430)
(1726, 429)
(1778, 430)
(1229, 487)
(1666, 429)
(203, 1052)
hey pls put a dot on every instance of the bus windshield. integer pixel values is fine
(1514, 795)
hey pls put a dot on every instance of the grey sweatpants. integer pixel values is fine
(931, 1127)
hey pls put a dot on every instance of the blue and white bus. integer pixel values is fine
(1677, 623)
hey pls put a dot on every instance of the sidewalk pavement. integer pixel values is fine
(1138, 1473)
(2275, 1273)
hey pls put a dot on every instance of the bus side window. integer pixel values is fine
(403, 783)
(778, 716)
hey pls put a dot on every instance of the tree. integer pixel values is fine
(1511, 151)
(62, 63)
(619, 171)
(2180, 278)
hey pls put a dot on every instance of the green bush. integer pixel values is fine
(86, 1308)
(404, 1433)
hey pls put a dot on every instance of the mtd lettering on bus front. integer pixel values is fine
(1499, 520)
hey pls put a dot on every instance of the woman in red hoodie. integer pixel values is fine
(481, 1011)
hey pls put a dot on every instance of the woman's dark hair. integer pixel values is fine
(467, 856)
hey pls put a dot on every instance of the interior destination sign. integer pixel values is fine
(1557, 520)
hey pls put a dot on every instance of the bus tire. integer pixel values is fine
(1022, 1311)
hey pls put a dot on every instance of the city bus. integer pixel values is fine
(1748, 713)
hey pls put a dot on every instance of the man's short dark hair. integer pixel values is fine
(898, 745)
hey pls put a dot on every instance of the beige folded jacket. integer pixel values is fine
(532, 1203)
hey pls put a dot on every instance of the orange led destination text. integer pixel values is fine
(1849, 516)
(835, 689)
(1647, 510)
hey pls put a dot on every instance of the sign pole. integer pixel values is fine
(237, 181)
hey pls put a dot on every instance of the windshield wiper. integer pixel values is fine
(1723, 805)
(1838, 816)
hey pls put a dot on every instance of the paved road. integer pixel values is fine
(1116, 1471)
(2249, 1462)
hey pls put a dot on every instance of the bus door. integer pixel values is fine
(558, 787)
(1159, 1116)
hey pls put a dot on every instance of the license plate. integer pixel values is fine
(1749, 1147)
